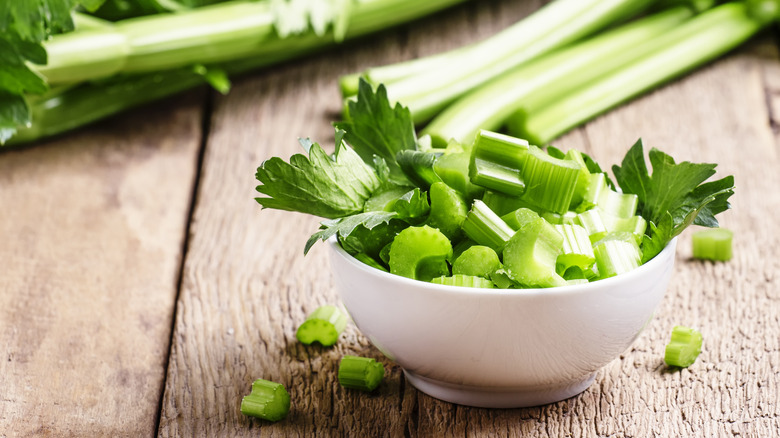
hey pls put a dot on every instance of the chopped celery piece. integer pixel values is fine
(448, 210)
(618, 204)
(583, 177)
(616, 253)
(461, 247)
(520, 217)
(324, 325)
(712, 244)
(530, 255)
(360, 373)
(268, 401)
(577, 249)
(420, 253)
(596, 185)
(569, 217)
(576, 281)
(593, 223)
(683, 348)
(367, 259)
(502, 203)
(485, 227)
(502, 280)
(453, 168)
(478, 261)
(496, 160)
(550, 182)
(463, 280)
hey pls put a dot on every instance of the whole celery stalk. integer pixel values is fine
(436, 82)
(548, 78)
(699, 40)
(125, 67)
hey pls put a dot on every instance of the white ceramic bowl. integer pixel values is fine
(500, 348)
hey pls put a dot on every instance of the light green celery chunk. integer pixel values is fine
(550, 182)
(477, 261)
(502, 280)
(583, 177)
(502, 203)
(618, 204)
(324, 325)
(361, 373)
(520, 217)
(596, 185)
(460, 248)
(453, 168)
(712, 244)
(593, 223)
(577, 249)
(616, 253)
(448, 210)
(576, 281)
(464, 281)
(420, 253)
(496, 160)
(569, 217)
(268, 401)
(530, 255)
(485, 227)
(683, 348)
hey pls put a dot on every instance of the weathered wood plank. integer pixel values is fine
(92, 233)
(246, 285)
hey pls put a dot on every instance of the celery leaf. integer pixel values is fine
(321, 185)
(374, 127)
(344, 226)
(674, 196)
(295, 17)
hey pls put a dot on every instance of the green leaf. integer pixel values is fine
(320, 185)
(413, 206)
(418, 167)
(374, 127)
(14, 112)
(673, 197)
(346, 225)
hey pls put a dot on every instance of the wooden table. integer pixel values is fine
(143, 289)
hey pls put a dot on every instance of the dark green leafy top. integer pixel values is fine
(320, 184)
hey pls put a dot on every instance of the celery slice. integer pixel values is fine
(324, 325)
(530, 255)
(496, 160)
(616, 253)
(463, 280)
(448, 210)
(593, 223)
(577, 249)
(477, 261)
(268, 401)
(683, 348)
(485, 227)
(520, 217)
(713, 244)
(420, 253)
(367, 259)
(360, 373)
(618, 204)
(550, 182)
(502, 204)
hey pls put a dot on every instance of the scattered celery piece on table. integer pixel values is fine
(360, 373)
(324, 325)
(268, 401)
(683, 348)
(713, 244)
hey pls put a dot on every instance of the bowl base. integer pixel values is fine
(497, 398)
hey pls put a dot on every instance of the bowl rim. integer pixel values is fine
(616, 281)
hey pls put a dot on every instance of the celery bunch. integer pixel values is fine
(62, 65)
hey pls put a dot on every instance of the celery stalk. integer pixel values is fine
(555, 25)
(699, 40)
(547, 79)
(209, 34)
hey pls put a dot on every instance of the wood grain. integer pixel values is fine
(246, 285)
(92, 232)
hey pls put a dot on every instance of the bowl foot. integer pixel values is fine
(497, 398)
